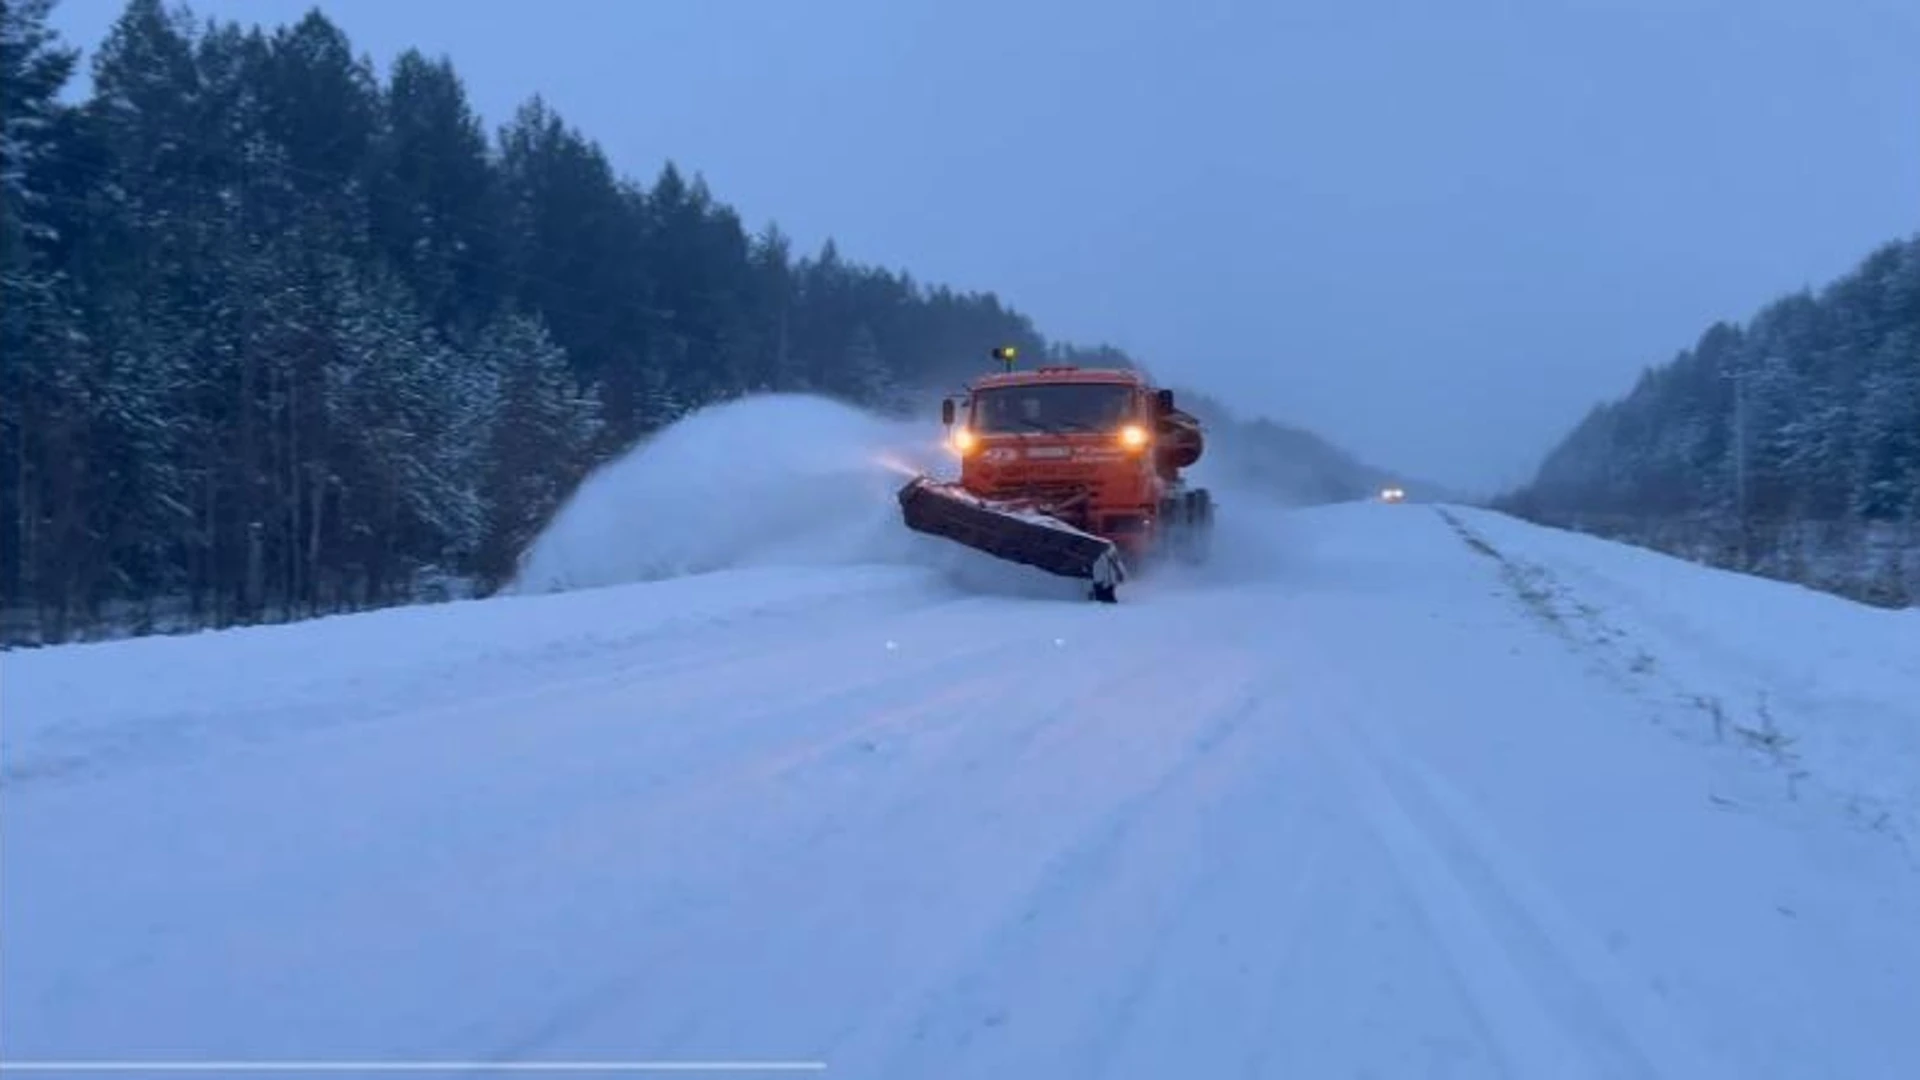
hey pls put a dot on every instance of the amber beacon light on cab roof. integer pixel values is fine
(1075, 471)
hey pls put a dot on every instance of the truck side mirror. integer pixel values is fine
(1163, 402)
(946, 411)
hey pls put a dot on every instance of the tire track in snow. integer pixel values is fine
(1214, 984)
(1530, 1040)
(67, 752)
(586, 822)
(784, 743)
(1101, 882)
(789, 837)
(936, 726)
(1556, 1001)
(683, 745)
(792, 834)
(873, 845)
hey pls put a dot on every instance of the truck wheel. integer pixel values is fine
(1104, 593)
(1200, 525)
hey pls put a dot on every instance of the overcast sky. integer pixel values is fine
(1435, 232)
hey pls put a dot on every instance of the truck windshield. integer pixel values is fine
(1056, 407)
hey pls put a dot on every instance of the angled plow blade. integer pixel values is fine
(1017, 535)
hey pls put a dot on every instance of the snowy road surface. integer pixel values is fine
(1423, 794)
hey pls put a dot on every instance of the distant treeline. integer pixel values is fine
(1289, 463)
(282, 338)
(1789, 446)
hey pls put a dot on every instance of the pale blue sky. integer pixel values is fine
(1435, 232)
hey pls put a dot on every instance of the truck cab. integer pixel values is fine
(1099, 445)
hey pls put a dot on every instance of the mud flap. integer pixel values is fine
(1193, 526)
(1015, 534)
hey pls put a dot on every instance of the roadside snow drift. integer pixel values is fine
(1425, 795)
(1826, 689)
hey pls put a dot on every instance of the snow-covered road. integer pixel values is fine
(1422, 793)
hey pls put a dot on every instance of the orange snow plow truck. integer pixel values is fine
(1074, 471)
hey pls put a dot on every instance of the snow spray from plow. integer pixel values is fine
(799, 480)
(777, 479)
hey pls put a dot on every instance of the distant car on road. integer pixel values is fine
(1392, 494)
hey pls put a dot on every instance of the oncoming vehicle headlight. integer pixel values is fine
(964, 440)
(1133, 436)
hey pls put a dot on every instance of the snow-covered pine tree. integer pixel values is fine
(541, 439)
(1887, 469)
(408, 417)
(865, 375)
(37, 321)
(432, 196)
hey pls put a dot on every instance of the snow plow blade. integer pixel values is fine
(1009, 532)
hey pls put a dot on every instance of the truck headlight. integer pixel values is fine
(1133, 437)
